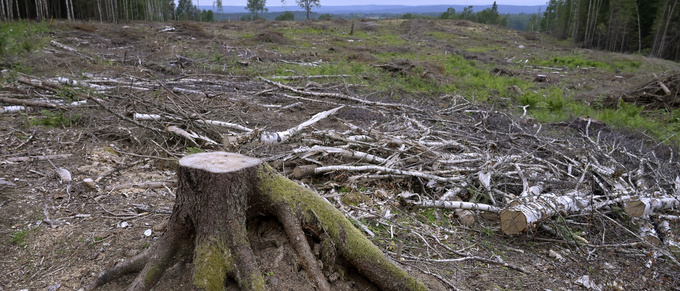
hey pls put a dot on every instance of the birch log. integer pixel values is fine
(645, 206)
(527, 213)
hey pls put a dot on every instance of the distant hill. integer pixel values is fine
(393, 9)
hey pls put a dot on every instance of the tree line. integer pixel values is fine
(104, 10)
(123, 10)
(650, 27)
(486, 16)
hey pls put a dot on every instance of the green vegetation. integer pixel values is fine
(602, 25)
(326, 16)
(19, 237)
(57, 119)
(213, 262)
(486, 16)
(286, 16)
(570, 62)
(21, 37)
(194, 150)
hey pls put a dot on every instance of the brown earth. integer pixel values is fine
(56, 235)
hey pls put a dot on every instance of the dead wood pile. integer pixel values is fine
(661, 92)
(464, 158)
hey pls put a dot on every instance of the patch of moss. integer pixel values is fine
(212, 263)
(354, 198)
(151, 273)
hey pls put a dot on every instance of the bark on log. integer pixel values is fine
(645, 206)
(217, 193)
(526, 213)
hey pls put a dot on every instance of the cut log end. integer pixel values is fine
(635, 208)
(218, 162)
(513, 222)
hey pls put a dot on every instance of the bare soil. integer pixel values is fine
(56, 235)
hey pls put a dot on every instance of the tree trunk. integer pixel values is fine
(217, 194)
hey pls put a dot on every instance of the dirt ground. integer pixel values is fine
(57, 235)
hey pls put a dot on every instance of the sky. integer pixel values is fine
(385, 2)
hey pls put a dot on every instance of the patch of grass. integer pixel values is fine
(52, 119)
(21, 37)
(194, 150)
(571, 61)
(19, 237)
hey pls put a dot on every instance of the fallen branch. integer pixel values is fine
(27, 102)
(456, 205)
(39, 158)
(191, 136)
(356, 155)
(70, 49)
(280, 136)
(158, 117)
(334, 95)
(326, 169)
(309, 77)
(143, 185)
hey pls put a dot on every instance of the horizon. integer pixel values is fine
(382, 2)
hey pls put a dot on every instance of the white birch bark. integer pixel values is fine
(645, 206)
(527, 213)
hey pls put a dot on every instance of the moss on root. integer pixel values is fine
(150, 274)
(282, 190)
(212, 263)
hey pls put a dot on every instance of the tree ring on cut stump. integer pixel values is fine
(218, 162)
(513, 221)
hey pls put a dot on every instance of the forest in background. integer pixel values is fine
(631, 26)
(650, 27)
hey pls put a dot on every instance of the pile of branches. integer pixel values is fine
(661, 92)
(463, 158)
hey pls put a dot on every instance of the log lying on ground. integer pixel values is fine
(644, 206)
(217, 193)
(526, 213)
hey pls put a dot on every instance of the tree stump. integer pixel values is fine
(217, 194)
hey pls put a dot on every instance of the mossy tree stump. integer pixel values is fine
(217, 193)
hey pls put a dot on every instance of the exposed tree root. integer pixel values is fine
(217, 193)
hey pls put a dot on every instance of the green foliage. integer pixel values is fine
(409, 16)
(21, 37)
(68, 93)
(286, 16)
(555, 102)
(207, 16)
(570, 62)
(489, 15)
(19, 237)
(529, 99)
(326, 16)
(186, 10)
(487, 231)
(54, 119)
(448, 14)
(307, 5)
(194, 150)
(256, 7)
(601, 25)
